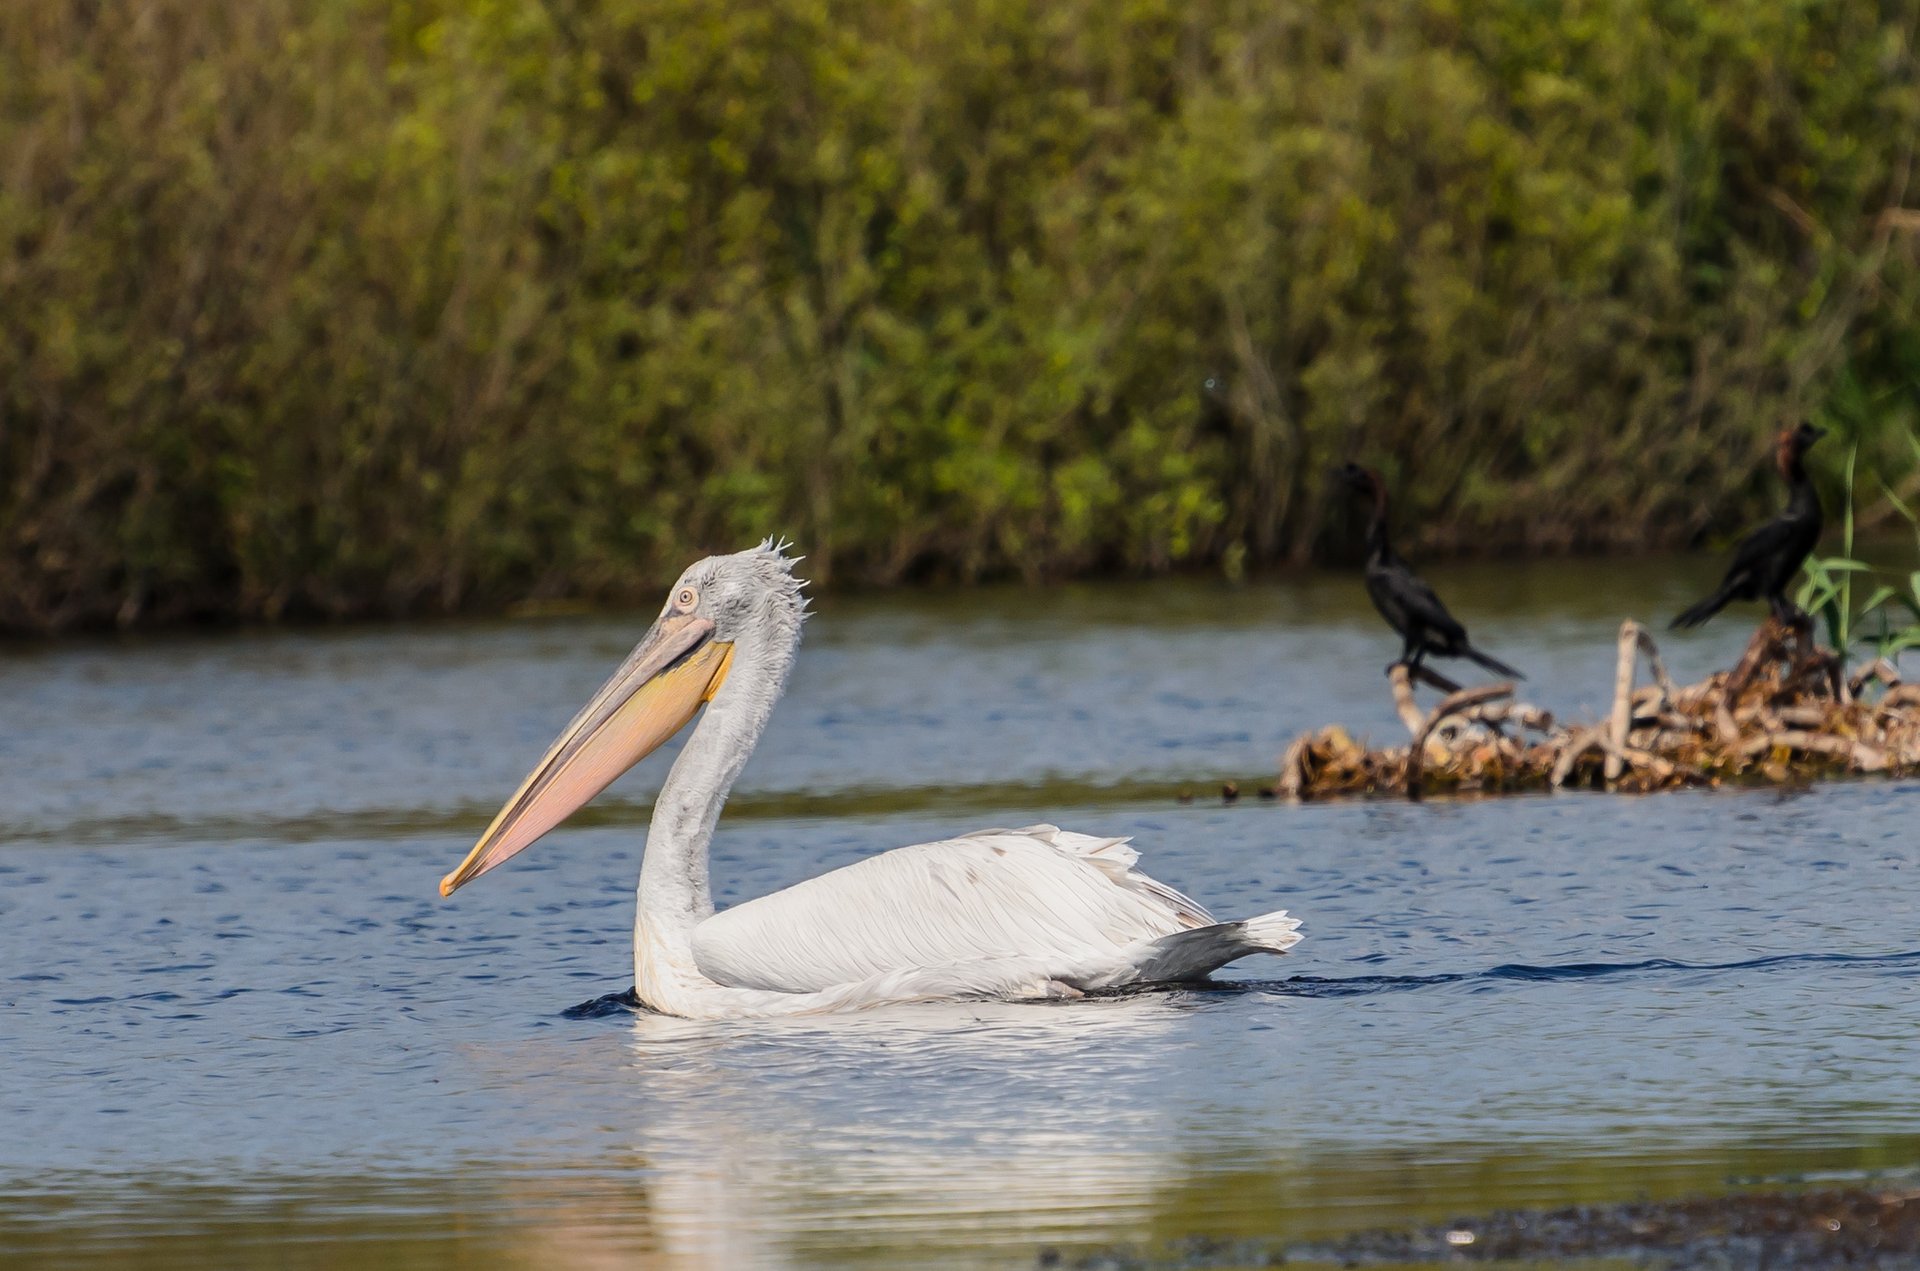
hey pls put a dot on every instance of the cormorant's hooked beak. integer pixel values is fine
(676, 667)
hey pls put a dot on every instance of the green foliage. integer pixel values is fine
(1827, 593)
(383, 307)
(1827, 590)
(1889, 640)
(1902, 595)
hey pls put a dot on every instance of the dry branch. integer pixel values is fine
(1784, 712)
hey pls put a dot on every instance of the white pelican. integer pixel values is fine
(1033, 913)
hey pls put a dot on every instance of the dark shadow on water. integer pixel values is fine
(1366, 985)
(626, 1004)
(610, 1006)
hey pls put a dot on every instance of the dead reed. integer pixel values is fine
(1785, 712)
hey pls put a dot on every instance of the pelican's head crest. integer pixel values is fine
(744, 591)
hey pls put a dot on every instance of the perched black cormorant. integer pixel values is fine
(1403, 599)
(1767, 559)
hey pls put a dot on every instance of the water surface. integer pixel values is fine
(240, 1025)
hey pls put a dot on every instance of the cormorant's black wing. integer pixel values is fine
(1751, 554)
(1748, 573)
(1422, 607)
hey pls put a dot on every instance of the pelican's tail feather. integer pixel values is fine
(1195, 954)
(1269, 933)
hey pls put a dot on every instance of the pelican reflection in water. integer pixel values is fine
(1034, 913)
(923, 1135)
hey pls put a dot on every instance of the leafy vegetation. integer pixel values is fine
(386, 306)
(1887, 621)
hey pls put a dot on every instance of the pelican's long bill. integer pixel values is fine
(676, 667)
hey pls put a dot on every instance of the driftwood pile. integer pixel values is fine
(1785, 712)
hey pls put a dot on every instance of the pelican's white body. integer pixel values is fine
(1030, 913)
(1038, 912)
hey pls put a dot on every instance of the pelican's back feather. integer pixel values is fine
(1035, 893)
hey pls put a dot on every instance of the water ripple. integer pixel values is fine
(1366, 985)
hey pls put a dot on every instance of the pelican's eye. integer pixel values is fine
(685, 599)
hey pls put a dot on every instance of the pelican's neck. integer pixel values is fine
(674, 893)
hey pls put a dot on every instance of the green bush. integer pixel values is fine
(373, 308)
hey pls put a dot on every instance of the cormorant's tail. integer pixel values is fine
(1701, 612)
(1491, 663)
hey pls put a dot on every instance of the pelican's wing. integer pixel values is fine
(1041, 893)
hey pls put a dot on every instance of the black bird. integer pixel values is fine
(1767, 559)
(1403, 599)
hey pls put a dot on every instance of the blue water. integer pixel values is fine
(236, 1017)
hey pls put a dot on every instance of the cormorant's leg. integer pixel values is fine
(1797, 621)
(1409, 656)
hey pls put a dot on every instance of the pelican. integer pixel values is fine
(1038, 912)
